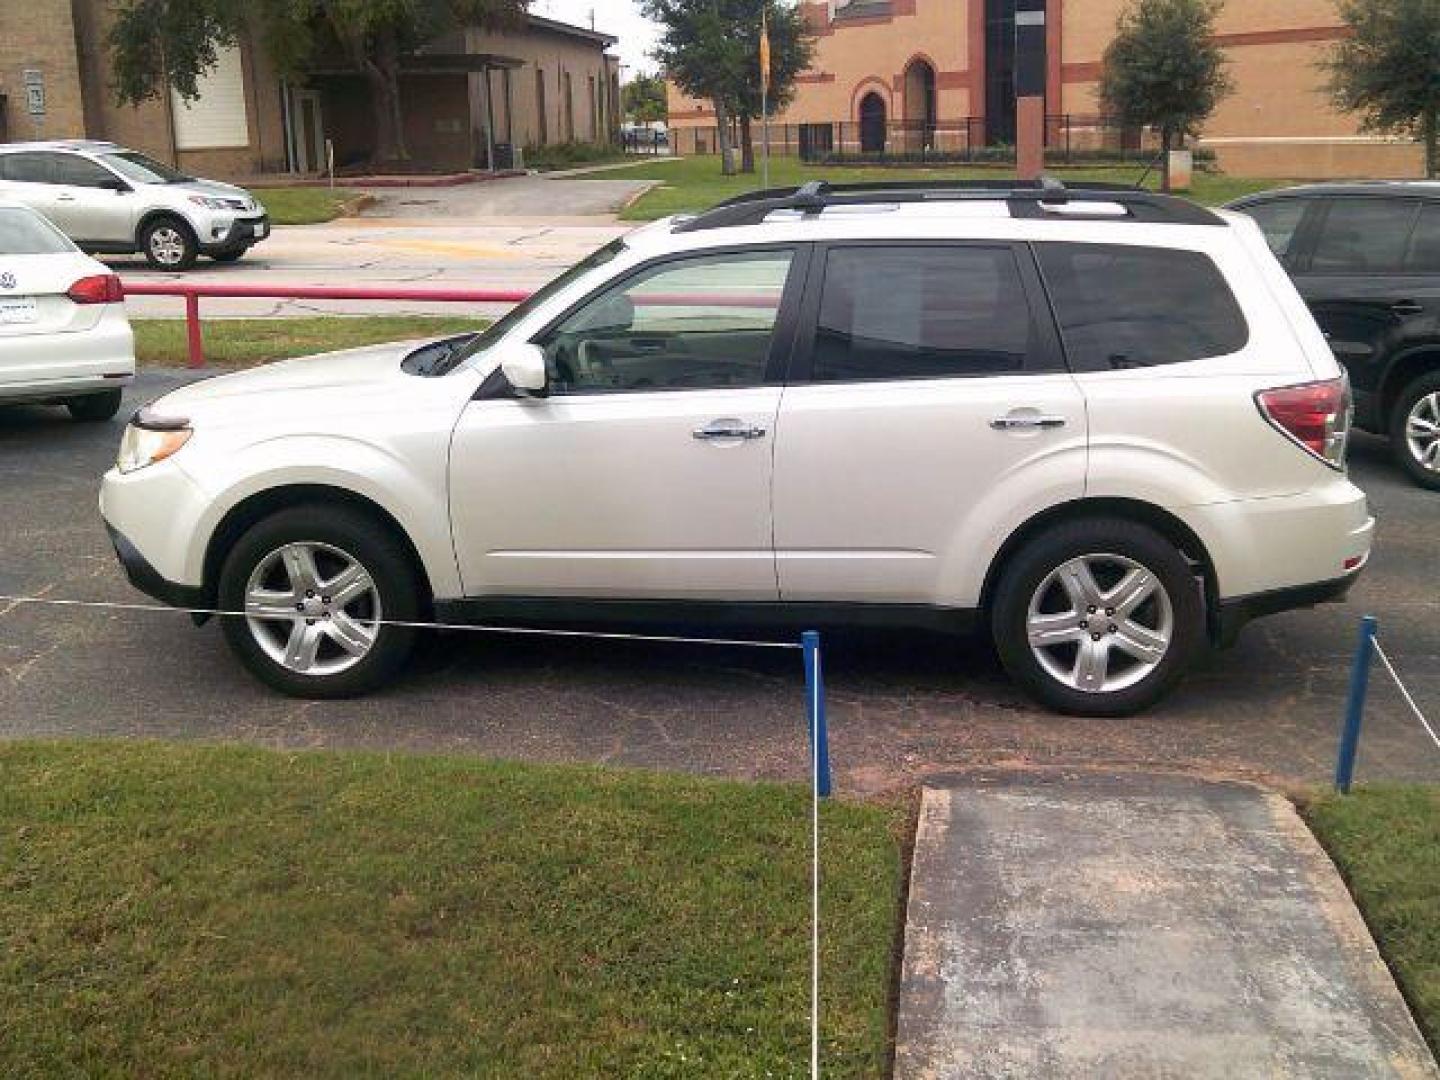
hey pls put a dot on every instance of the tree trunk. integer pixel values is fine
(747, 146)
(1167, 139)
(1432, 137)
(722, 127)
(389, 113)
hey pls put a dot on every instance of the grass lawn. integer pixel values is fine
(173, 910)
(303, 205)
(696, 182)
(1386, 841)
(245, 342)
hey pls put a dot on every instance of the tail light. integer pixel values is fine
(100, 289)
(1314, 415)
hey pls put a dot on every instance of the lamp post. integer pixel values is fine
(1030, 69)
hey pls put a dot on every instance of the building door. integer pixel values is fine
(1000, 72)
(306, 132)
(872, 124)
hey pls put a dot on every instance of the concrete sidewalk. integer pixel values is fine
(1137, 927)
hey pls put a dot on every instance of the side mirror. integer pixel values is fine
(523, 366)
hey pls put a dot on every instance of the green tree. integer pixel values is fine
(158, 43)
(1388, 69)
(1165, 70)
(711, 49)
(644, 99)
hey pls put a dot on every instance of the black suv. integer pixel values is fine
(1366, 257)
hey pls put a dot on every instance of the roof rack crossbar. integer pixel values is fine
(1025, 200)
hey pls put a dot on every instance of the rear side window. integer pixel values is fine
(1363, 236)
(1131, 307)
(23, 232)
(1424, 257)
(1279, 221)
(923, 312)
(27, 168)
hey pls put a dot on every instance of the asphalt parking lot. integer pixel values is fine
(903, 706)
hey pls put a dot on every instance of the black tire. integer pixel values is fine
(367, 541)
(1097, 538)
(234, 255)
(95, 408)
(169, 244)
(1426, 386)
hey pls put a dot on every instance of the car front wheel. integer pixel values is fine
(168, 244)
(1099, 617)
(1415, 430)
(320, 588)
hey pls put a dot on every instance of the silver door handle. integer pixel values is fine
(64, 198)
(1027, 423)
(728, 429)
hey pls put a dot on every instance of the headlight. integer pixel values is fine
(148, 440)
(208, 203)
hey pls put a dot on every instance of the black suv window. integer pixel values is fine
(27, 168)
(1424, 256)
(1279, 221)
(1365, 235)
(921, 312)
(1127, 307)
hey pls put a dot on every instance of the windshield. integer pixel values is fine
(143, 170)
(498, 330)
(24, 232)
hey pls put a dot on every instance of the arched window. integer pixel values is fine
(921, 108)
(872, 124)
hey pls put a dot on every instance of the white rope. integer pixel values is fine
(1406, 693)
(100, 605)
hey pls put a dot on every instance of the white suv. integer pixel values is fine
(116, 201)
(1099, 424)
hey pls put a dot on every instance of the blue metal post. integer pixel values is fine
(1355, 706)
(815, 711)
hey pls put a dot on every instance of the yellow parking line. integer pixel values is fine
(448, 247)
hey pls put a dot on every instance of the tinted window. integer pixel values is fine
(1279, 221)
(1128, 307)
(1365, 235)
(77, 171)
(689, 324)
(1424, 257)
(26, 168)
(24, 232)
(921, 313)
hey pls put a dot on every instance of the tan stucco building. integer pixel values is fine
(463, 97)
(939, 73)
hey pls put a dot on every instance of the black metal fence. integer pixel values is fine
(1069, 139)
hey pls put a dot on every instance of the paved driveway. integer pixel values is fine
(903, 705)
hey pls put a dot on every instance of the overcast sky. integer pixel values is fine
(619, 17)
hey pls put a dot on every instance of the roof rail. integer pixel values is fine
(1027, 200)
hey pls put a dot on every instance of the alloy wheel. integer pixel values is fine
(1100, 623)
(1422, 431)
(167, 245)
(313, 608)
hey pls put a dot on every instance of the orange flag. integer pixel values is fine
(765, 49)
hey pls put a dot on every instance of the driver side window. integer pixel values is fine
(690, 324)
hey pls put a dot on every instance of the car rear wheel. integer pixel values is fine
(95, 408)
(320, 588)
(1415, 430)
(168, 244)
(1098, 618)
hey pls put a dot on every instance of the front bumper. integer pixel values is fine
(237, 233)
(149, 580)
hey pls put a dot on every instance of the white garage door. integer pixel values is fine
(216, 120)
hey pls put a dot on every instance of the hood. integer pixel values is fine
(214, 189)
(338, 382)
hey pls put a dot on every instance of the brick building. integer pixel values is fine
(902, 74)
(463, 96)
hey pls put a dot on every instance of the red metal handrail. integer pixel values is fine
(193, 291)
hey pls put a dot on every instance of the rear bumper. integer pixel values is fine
(54, 366)
(44, 390)
(1231, 616)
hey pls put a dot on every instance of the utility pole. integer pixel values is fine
(1030, 71)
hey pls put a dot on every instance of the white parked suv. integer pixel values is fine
(116, 201)
(1100, 424)
(64, 337)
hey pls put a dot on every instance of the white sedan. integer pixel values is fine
(64, 337)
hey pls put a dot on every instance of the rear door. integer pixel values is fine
(1369, 274)
(927, 407)
(29, 177)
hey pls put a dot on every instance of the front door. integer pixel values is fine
(930, 409)
(91, 204)
(645, 473)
